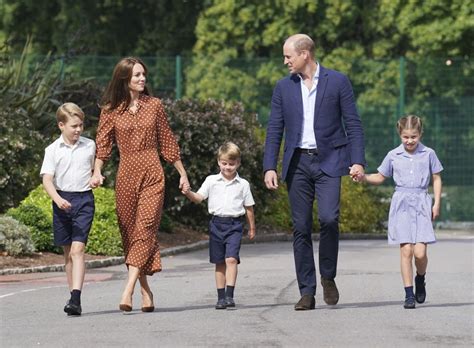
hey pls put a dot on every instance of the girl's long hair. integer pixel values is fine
(117, 92)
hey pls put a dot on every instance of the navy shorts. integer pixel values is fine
(73, 225)
(225, 235)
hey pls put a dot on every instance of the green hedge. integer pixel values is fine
(35, 211)
(363, 209)
(14, 237)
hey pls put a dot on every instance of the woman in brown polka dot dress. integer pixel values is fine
(137, 123)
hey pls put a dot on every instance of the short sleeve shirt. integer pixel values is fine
(411, 170)
(70, 165)
(226, 198)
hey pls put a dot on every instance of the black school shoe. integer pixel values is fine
(72, 309)
(409, 303)
(420, 290)
(221, 304)
(229, 302)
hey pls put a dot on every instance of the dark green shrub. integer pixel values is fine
(201, 127)
(39, 224)
(363, 209)
(36, 212)
(26, 99)
(104, 237)
(14, 237)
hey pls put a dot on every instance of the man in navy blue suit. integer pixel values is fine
(314, 108)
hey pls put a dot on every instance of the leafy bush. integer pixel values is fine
(104, 237)
(36, 212)
(39, 224)
(201, 127)
(362, 209)
(25, 98)
(14, 237)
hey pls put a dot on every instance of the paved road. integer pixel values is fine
(369, 314)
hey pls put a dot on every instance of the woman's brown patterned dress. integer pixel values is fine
(141, 138)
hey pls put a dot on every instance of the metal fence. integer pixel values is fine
(440, 90)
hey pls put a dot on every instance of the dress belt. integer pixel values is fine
(227, 218)
(310, 152)
(410, 189)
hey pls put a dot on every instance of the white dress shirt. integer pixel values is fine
(308, 139)
(226, 198)
(70, 165)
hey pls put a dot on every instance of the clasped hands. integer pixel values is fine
(357, 173)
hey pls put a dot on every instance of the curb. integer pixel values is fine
(118, 260)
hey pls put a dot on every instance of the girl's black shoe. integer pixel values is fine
(409, 303)
(72, 309)
(420, 290)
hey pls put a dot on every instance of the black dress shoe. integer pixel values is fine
(221, 304)
(306, 302)
(409, 303)
(330, 292)
(72, 309)
(420, 290)
(229, 302)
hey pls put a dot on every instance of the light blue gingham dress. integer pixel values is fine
(409, 220)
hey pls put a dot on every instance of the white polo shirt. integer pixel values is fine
(226, 198)
(70, 165)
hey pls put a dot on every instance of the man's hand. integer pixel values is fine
(357, 172)
(271, 179)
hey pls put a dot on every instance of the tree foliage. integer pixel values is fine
(107, 27)
(363, 39)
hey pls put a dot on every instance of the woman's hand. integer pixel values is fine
(184, 184)
(96, 180)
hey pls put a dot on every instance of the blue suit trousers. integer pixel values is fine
(305, 182)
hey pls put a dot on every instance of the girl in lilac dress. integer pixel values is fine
(412, 165)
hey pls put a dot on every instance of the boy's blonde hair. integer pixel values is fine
(229, 151)
(67, 111)
(410, 122)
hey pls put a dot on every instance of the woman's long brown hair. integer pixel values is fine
(117, 91)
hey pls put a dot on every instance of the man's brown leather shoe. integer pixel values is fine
(306, 302)
(330, 293)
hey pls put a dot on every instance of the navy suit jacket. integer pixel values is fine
(337, 125)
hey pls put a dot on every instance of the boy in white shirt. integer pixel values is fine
(66, 171)
(230, 199)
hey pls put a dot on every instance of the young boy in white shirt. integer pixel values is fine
(66, 171)
(230, 199)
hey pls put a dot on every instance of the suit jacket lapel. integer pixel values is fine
(322, 83)
(297, 98)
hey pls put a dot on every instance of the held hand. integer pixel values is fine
(184, 184)
(357, 173)
(96, 180)
(251, 233)
(63, 204)
(271, 180)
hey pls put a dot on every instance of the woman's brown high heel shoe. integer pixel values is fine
(125, 307)
(149, 308)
